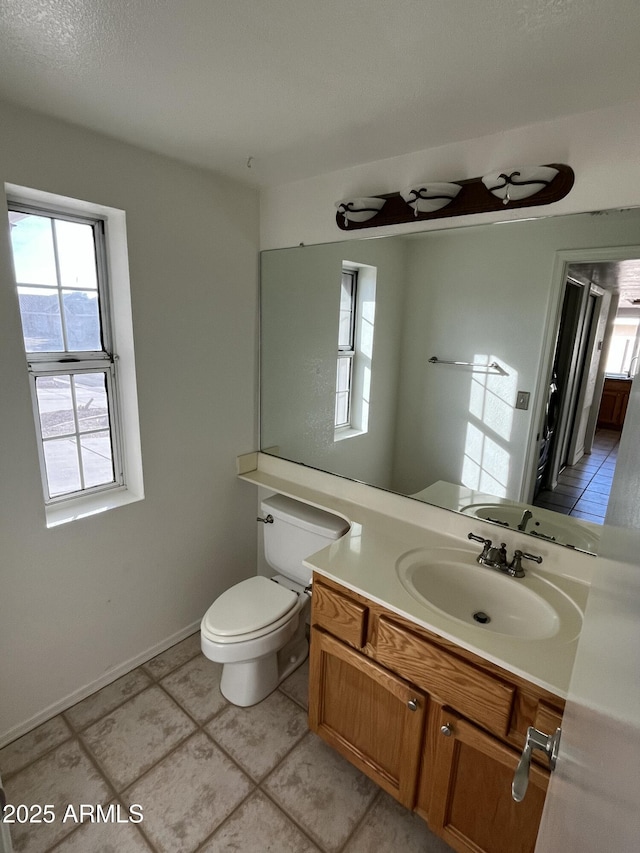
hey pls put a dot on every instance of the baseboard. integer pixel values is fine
(107, 678)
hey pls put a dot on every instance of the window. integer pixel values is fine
(623, 348)
(61, 262)
(355, 349)
(346, 347)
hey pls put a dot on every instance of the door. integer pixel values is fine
(583, 427)
(366, 713)
(471, 804)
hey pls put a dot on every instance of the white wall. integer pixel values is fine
(87, 600)
(300, 307)
(482, 295)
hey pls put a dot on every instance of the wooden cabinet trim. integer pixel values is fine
(406, 725)
(339, 614)
(471, 691)
(375, 611)
(446, 779)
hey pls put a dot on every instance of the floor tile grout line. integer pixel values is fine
(210, 836)
(307, 834)
(257, 786)
(370, 807)
(118, 792)
(7, 776)
(77, 730)
(568, 510)
(113, 796)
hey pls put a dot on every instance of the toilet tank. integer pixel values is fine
(298, 530)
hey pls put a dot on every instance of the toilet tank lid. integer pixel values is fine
(305, 516)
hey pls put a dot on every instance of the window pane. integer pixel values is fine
(343, 385)
(345, 328)
(75, 406)
(342, 409)
(343, 380)
(32, 243)
(91, 399)
(76, 254)
(62, 466)
(55, 405)
(41, 324)
(82, 319)
(97, 461)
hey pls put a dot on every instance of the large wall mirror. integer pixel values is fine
(533, 325)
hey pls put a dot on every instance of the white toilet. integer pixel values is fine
(257, 629)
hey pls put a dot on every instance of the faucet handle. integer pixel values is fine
(514, 569)
(477, 538)
(533, 557)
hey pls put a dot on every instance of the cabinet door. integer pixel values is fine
(471, 805)
(373, 718)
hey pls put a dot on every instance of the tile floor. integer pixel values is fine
(583, 489)
(209, 777)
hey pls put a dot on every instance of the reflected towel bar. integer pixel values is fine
(493, 366)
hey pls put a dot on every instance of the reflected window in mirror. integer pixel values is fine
(355, 350)
(346, 347)
(625, 344)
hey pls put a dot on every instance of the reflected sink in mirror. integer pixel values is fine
(544, 524)
(450, 581)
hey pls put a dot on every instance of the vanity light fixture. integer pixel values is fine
(516, 184)
(523, 186)
(428, 197)
(359, 209)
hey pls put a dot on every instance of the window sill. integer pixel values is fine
(348, 432)
(77, 508)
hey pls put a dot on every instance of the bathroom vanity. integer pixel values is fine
(427, 702)
(437, 727)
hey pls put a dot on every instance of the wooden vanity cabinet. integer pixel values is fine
(471, 806)
(437, 727)
(368, 714)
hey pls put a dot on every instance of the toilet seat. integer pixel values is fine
(249, 610)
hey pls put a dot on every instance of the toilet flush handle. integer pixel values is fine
(267, 520)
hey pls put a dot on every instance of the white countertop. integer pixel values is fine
(385, 526)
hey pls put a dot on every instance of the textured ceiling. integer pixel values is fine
(308, 86)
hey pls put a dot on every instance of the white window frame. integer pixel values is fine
(348, 352)
(117, 360)
(362, 353)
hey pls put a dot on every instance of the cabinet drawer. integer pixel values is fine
(341, 616)
(474, 693)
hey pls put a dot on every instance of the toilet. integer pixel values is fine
(257, 628)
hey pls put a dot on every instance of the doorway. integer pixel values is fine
(577, 447)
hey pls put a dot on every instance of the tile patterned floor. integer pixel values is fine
(210, 777)
(583, 489)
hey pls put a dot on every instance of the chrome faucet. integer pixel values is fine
(526, 516)
(496, 558)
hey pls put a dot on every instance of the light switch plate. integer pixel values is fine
(522, 400)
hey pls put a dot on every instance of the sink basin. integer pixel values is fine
(452, 582)
(567, 531)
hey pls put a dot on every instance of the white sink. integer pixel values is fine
(550, 526)
(450, 581)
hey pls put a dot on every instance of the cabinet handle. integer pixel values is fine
(446, 729)
(412, 704)
(535, 740)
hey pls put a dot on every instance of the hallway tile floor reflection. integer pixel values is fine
(209, 777)
(583, 489)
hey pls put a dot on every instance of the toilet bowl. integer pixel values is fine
(257, 628)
